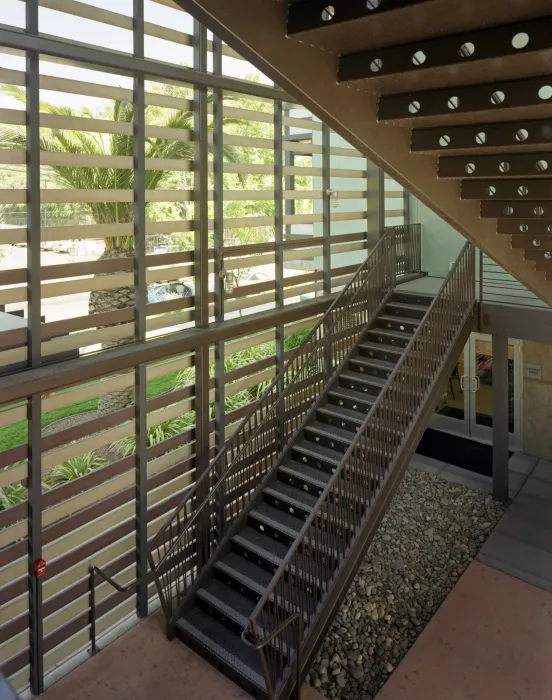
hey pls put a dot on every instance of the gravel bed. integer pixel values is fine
(431, 532)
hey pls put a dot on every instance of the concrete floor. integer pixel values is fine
(490, 640)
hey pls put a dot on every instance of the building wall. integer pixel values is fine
(441, 244)
(537, 401)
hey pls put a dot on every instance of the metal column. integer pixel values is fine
(278, 240)
(34, 403)
(140, 302)
(375, 203)
(201, 273)
(218, 242)
(500, 417)
(326, 211)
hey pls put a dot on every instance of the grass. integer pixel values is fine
(16, 434)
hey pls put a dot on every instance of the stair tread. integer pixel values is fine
(380, 346)
(274, 516)
(344, 392)
(342, 412)
(252, 575)
(227, 600)
(332, 431)
(224, 644)
(364, 378)
(373, 362)
(391, 333)
(404, 305)
(311, 474)
(401, 319)
(319, 451)
(261, 544)
(292, 495)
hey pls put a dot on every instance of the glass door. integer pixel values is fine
(465, 408)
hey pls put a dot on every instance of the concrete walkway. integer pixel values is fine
(490, 640)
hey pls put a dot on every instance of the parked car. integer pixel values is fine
(163, 291)
(62, 246)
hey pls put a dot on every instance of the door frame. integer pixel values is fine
(467, 426)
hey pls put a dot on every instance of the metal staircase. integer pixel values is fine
(253, 563)
(453, 100)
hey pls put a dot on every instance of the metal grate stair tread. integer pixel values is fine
(227, 601)
(261, 545)
(319, 452)
(378, 364)
(339, 412)
(368, 379)
(342, 434)
(399, 319)
(408, 307)
(343, 392)
(277, 519)
(221, 643)
(386, 333)
(294, 496)
(370, 347)
(298, 470)
(245, 572)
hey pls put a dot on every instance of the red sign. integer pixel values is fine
(40, 568)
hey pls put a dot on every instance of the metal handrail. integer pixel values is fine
(255, 407)
(203, 481)
(297, 620)
(354, 309)
(316, 513)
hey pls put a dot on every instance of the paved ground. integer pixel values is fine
(490, 640)
(521, 544)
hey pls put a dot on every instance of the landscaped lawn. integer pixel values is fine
(16, 434)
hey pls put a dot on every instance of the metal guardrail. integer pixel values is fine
(197, 527)
(364, 470)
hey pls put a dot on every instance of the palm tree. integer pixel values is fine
(95, 178)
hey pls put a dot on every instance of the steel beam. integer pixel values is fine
(500, 417)
(123, 64)
(456, 49)
(516, 210)
(315, 14)
(496, 166)
(528, 189)
(465, 98)
(534, 227)
(523, 133)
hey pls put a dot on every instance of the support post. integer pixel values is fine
(500, 417)
(140, 311)
(326, 211)
(201, 274)
(34, 402)
(279, 250)
(218, 243)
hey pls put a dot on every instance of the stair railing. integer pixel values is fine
(348, 499)
(198, 526)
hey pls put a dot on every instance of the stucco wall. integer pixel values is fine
(537, 401)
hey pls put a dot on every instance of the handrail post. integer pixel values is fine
(264, 665)
(92, 593)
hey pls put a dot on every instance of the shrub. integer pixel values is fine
(12, 495)
(74, 468)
